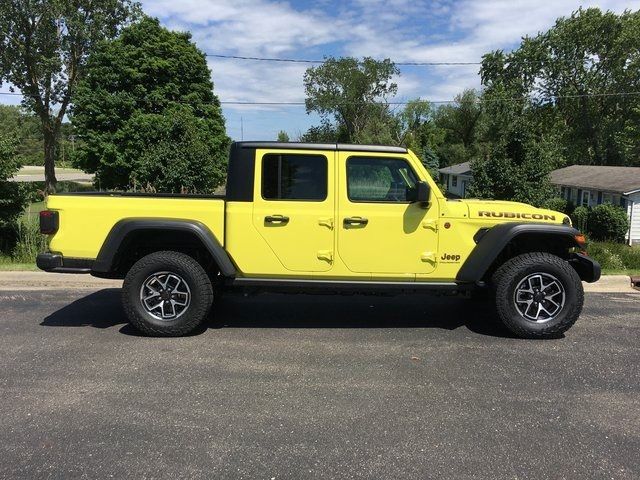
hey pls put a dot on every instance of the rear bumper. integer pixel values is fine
(587, 268)
(53, 262)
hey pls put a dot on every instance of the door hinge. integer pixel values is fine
(326, 222)
(428, 257)
(326, 255)
(431, 223)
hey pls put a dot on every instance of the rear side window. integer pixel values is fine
(376, 179)
(294, 177)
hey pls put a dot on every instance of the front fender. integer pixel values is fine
(493, 242)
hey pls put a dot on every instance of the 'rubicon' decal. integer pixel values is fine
(526, 216)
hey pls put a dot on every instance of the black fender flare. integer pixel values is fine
(496, 239)
(123, 228)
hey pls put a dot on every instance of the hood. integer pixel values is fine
(511, 211)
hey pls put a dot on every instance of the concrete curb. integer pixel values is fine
(53, 281)
(62, 281)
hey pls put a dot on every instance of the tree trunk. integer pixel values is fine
(49, 159)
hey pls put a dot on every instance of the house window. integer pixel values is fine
(585, 198)
(454, 181)
(607, 198)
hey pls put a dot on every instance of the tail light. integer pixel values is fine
(48, 222)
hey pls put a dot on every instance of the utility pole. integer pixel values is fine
(241, 129)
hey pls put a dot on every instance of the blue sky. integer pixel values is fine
(403, 30)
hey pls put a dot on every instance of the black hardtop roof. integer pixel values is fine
(322, 146)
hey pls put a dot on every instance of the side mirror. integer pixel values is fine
(423, 192)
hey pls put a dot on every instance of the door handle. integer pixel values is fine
(355, 221)
(280, 219)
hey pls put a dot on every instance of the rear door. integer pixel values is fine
(294, 210)
(379, 229)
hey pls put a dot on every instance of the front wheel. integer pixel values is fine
(538, 295)
(167, 294)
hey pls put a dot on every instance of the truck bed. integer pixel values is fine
(85, 222)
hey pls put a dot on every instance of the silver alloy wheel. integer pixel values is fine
(539, 297)
(165, 295)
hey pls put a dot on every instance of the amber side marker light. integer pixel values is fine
(581, 241)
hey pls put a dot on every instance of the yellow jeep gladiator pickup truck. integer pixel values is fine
(325, 218)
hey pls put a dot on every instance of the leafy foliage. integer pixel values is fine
(351, 93)
(574, 71)
(13, 196)
(556, 203)
(615, 257)
(460, 126)
(608, 222)
(148, 115)
(518, 157)
(27, 130)
(283, 136)
(580, 217)
(43, 49)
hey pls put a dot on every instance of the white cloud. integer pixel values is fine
(403, 30)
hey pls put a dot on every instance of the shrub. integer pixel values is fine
(557, 204)
(615, 256)
(607, 222)
(29, 240)
(579, 218)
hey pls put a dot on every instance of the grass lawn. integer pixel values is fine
(22, 267)
(8, 263)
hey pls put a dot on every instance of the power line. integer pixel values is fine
(504, 99)
(301, 60)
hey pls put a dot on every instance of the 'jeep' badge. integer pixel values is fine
(449, 258)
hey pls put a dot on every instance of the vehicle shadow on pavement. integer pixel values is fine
(356, 311)
(102, 309)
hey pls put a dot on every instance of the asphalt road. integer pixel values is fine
(316, 387)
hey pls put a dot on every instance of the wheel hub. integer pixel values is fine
(165, 295)
(539, 297)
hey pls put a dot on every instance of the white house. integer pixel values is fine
(456, 178)
(591, 185)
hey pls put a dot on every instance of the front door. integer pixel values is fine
(380, 231)
(294, 212)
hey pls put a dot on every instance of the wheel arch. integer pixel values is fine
(152, 234)
(504, 241)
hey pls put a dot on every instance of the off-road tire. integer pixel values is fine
(199, 284)
(509, 275)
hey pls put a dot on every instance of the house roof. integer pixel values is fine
(459, 169)
(623, 180)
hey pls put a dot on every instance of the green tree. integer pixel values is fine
(13, 195)
(582, 73)
(147, 114)
(43, 49)
(283, 136)
(432, 163)
(352, 93)
(460, 127)
(518, 154)
(26, 129)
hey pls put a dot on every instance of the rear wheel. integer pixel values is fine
(538, 295)
(167, 294)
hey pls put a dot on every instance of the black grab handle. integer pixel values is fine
(276, 219)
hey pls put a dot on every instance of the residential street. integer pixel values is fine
(406, 387)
